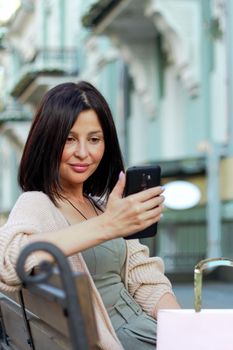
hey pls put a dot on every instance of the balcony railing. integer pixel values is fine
(182, 245)
(57, 62)
(14, 111)
(64, 60)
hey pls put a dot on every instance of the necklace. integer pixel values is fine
(79, 211)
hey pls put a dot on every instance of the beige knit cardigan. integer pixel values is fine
(35, 213)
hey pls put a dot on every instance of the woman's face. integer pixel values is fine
(83, 150)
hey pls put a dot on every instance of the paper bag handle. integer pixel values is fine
(199, 268)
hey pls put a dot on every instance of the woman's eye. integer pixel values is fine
(70, 139)
(94, 139)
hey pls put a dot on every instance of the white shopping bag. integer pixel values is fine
(197, 329)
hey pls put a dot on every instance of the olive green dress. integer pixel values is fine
(106, 262)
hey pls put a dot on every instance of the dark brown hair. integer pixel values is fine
(56, 114)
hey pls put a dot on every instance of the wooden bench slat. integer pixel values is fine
(44, 336)
(52, 326)
(14, 324)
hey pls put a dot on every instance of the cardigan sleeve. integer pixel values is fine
(146, 281)
(11, 243)
(33, 213)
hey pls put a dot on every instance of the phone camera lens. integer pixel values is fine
(144, 182)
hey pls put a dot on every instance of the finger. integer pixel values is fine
(145, 195)
(154, 221)
(151, 216)
(118, 190)
(148, 219)
(140, 208)
(152, 203)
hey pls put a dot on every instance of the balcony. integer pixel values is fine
(48, 68)
(13, 111)
(124, 18)
(135, 25)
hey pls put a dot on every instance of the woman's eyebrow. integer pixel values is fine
(94, 132)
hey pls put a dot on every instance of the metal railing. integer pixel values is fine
(64, 60)
(181, 246)
(45, 61)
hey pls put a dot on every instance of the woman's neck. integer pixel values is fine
(74, 195)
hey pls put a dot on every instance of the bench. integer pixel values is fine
(53, 311)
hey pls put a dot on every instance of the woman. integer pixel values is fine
(72, 176)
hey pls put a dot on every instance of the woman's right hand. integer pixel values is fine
(128, 215)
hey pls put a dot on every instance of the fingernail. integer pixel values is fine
(121, 175)
(163, 188)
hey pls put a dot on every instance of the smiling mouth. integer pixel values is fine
(79, 168)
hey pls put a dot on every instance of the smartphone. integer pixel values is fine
(139, 178)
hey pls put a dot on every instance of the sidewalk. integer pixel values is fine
(215, 294)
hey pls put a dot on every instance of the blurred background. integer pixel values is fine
(165, 67)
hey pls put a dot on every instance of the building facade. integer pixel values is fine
(165, 68)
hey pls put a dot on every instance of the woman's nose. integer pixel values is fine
(81, 150)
